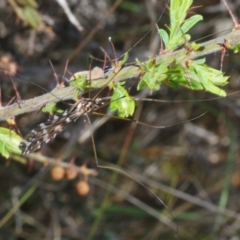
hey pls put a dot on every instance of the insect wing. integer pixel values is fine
(47, 131)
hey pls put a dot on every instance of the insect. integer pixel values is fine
(48, 130)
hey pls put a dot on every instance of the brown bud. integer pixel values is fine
(57, 173)
(82, 188)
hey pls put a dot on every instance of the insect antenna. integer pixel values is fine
(116, 169)
(18, 97)
(153, 126)
(122, 172)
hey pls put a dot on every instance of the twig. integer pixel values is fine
(127, 72)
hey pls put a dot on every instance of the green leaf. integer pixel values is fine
(210, 78)
(145, 66)
(209, 86)
(190, 22)
(154, 75)
(32, 17)
(164, 35)
(195, 46)
(235, 48)
(121, 101)
(9, 142)
(51, 108)
(145, 82)
(125, 58)
(79, 82)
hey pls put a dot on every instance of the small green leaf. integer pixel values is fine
(210, 78)
(9, 142)
(195, 46)
(154, 75)
(145, 66)
(125, 58)
(235, 48)
(209, 86)
(121, 101)
(51, 108)
(164, 35)
(79, 82)
(190, 22)
(32, 17)
(145, 82)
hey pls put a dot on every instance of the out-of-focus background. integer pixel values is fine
(194, 167)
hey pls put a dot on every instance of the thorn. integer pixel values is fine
(62, 82)
(107, 58)
(105, 62)
(223, 52)
(224, 46)
(18, 97)
(59, 83)
(115, 60)
(11, 100)
(235, 22)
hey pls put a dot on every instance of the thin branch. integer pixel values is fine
(127, 72)
(34, 104)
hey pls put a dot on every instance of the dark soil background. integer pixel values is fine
(194, 167)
